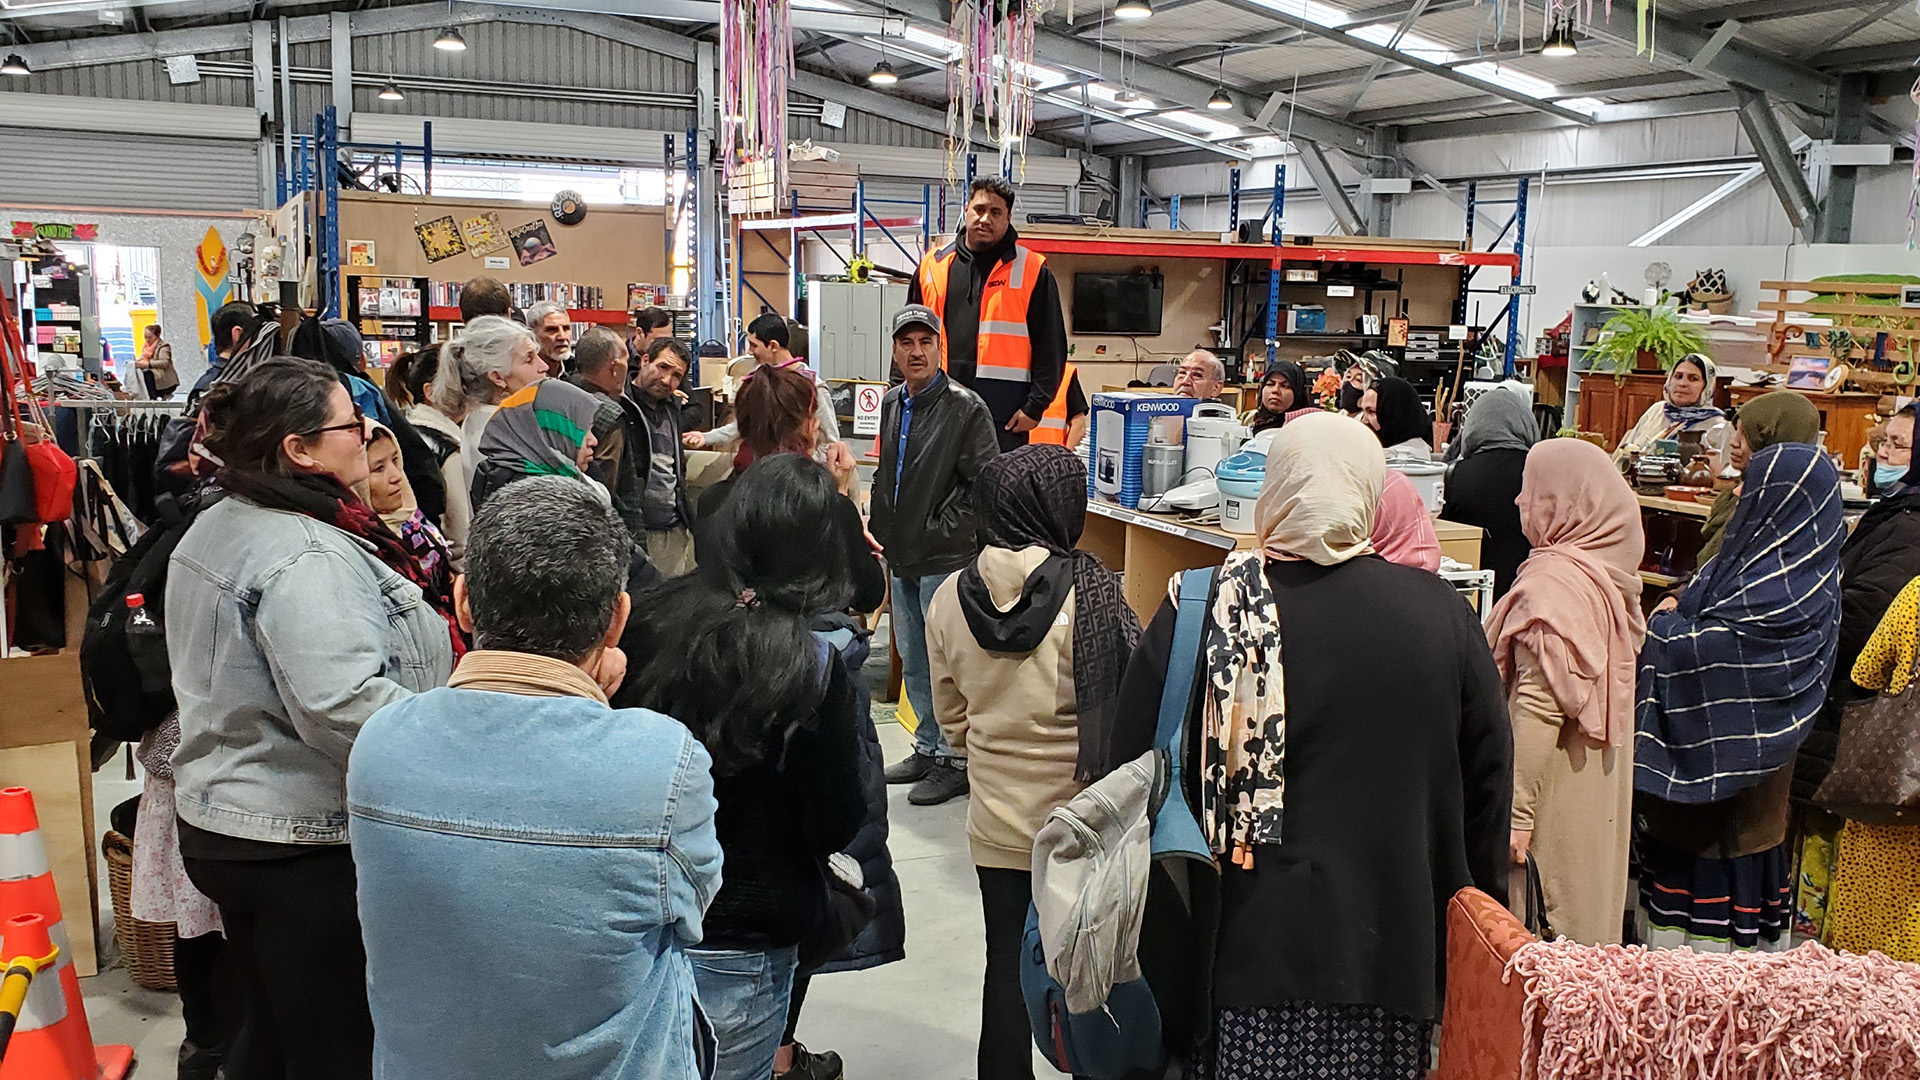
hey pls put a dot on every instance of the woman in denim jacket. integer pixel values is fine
(727, 651)
(292, 614)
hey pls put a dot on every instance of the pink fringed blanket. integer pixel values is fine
(1629, 1013)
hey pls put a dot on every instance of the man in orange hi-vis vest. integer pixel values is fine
(1004, 336)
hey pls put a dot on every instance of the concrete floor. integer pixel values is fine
(918, 1018)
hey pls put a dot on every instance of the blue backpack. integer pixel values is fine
(1123, 1035)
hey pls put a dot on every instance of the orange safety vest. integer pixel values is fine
(1053, 425)
(1005, 351)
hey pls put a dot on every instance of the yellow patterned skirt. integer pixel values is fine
(1875, 901)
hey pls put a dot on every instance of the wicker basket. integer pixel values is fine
(147, 946)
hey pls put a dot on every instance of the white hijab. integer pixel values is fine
(1325, 474)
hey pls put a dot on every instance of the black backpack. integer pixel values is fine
(128, 683)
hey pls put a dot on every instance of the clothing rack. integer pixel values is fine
(116, 403)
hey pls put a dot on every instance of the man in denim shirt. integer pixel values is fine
(532, 863)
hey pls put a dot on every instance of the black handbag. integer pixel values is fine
(1536, 904)
(17, 506)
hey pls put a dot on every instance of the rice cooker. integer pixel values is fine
(1428, 478)
(1210, 429)
(1241, 476)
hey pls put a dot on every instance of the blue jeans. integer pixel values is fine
(744, 995)
(911, 595)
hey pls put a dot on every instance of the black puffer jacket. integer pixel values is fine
(929, 527)
(884, 939)
(1881, 556)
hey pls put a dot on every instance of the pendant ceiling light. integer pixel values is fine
(883, 74)
(1560, 41)
(450, 41)
(391, 92)
(1220, 102)
(15, 65)
(1133, 9)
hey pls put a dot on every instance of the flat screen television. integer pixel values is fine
(1121, 305)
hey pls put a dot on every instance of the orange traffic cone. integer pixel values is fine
(56, 1043)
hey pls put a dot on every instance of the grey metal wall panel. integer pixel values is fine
(140, 80)
(129, 171)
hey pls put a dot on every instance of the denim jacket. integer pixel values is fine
(284, 634)
(531, 870)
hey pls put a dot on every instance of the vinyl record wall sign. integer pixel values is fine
(569, 208)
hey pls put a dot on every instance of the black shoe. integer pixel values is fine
(808, 1065)
(912, 770)
(942, 783)
(198, 1062)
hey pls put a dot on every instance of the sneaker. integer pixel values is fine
(912, 770)
(942, 783)
(808, 1065)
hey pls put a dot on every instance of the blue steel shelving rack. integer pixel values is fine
(315, 169)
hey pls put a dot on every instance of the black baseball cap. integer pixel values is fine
(915, 315)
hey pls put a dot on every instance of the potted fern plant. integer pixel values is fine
(1644, 339)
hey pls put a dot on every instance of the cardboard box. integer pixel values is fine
(1122, 421)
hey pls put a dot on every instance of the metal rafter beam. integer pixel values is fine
(1401, 114)
(1359, 44)
(1865, 20)
(1162, 84)
(1894, 54)
(1691, 105)
(1327, 182)
(1762, 10)
(1285, 35)
(1677, 44)
(1776, 157)
(1373, 72)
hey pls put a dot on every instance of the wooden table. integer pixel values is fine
(1669, 522)
(1148, 549)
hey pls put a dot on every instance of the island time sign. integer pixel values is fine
(54, 230)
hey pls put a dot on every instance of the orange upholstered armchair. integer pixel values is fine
(1480, 1032)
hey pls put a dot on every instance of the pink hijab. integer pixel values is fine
(1403, 530)
(1576, 601)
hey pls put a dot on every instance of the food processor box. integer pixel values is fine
(1121, 423)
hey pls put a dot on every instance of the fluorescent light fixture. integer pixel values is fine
(1206, 125)
(927, 39)
(450, 41)
(1133, 9)
(882, 74)
(391, 92)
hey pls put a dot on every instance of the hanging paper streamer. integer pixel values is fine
(992, 77)
(756, 55)
(1578, 14)
(1913, 196)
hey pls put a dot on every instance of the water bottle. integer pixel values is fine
(147, 643)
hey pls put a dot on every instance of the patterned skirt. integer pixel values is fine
(1715, 905)
(1312, 1040)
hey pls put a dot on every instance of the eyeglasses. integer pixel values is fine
(359, 425)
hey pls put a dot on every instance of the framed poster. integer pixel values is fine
(532, 242)
(440, 238)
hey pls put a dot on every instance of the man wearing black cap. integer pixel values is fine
(935, 437)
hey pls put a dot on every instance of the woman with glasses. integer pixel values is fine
(293, 613)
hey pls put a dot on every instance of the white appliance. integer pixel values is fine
(1428, 479)
(1209, 426)
(847, 328)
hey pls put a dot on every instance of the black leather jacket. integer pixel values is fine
(928, 528)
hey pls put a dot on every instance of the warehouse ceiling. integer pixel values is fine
(1349, 75)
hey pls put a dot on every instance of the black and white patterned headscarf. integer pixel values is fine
(1036, 496)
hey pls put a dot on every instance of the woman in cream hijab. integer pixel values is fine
(1344, 807)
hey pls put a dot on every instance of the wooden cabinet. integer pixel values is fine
(1845, 417)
